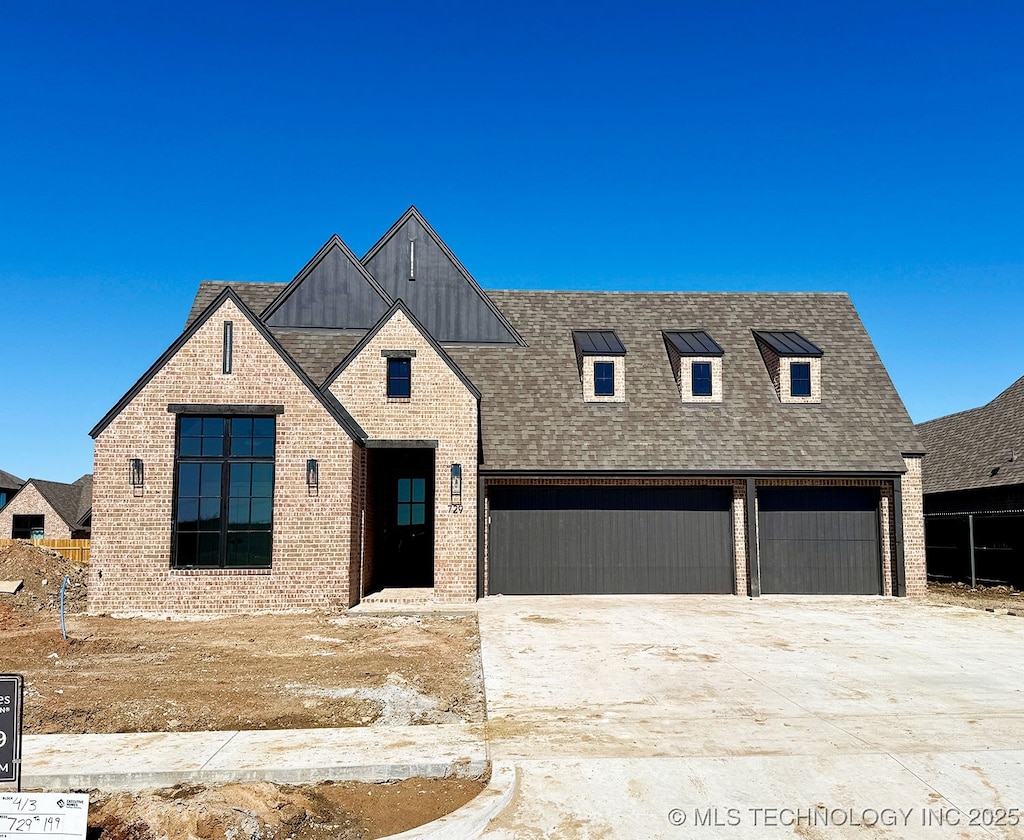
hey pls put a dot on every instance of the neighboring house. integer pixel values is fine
(9, 485)
(386, 423)
(49, 510)
(974, 492)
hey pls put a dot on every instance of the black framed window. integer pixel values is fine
(700, 379)
(224, 492)
(27, 526)
(800, 379)
(604, 379)
(412, 501)
(399, 377)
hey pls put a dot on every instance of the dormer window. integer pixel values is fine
(700, 379)
(600, 356)
(799, 379)
(793, 363)
(604, 379)
(697, 364)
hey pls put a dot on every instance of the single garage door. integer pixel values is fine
(615, 540)
(819, 540)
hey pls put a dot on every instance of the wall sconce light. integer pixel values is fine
(136, 472)
(312, 474)
(455, 504)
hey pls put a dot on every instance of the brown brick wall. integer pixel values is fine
(31, 502)
(913, 528)
(440, 408)
(315, 545)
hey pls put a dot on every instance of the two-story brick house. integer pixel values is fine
(385, 422)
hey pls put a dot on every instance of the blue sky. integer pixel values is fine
(873, 148)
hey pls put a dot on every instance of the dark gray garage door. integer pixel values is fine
(616, 540)
(819, 540)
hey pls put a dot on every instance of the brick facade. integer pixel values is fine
(587, 378)
(439, 408)
(30, 502)
(316, 538)
(913, 528)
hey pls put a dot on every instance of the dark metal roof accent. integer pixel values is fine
(693, 343)
(787, 343)
(399, 305)
(224, 410)
(445, 296)
(332, 290)
(329, 401)
(598, 343)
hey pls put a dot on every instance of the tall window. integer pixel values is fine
(225, 492)
(604, 379)
(800, 379)
(399, 384)
(700, 385)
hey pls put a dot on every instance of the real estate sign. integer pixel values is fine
(11, 691)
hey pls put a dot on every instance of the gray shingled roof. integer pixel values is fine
(534, 418)
(72, 502)
(965, 448)
(9, 481)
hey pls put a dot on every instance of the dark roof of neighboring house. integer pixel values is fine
(973, 449)
(71, 502)
(9, 482)
(533, 416)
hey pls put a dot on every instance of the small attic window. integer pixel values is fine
(800, 379)
(602, 365)
(793, 363)
(697, 364)
(604, 379)
(400, 378)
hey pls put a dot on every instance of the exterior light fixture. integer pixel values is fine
(312, 474)
(136, 472)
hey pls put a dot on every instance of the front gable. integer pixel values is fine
(227, 356)
(412, 263)
(438, 390)
(332, 291)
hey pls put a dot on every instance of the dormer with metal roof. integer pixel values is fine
(601, 359)
(793, 363)
(696, 360)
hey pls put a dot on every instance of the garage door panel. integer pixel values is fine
(819, 540)
(614, 540)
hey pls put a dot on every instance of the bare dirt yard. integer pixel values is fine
(297, 670)
(993, 598)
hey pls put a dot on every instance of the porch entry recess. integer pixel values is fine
(401, 482)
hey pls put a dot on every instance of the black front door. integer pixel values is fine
(404, 516)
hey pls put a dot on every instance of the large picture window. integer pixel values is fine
(224, 492)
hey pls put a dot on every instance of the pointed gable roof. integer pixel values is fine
(444, 296)
(333, 290)
(399, 306)
(328, 401)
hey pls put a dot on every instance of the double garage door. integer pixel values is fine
(621, 540)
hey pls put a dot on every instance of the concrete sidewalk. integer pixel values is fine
(156, 759)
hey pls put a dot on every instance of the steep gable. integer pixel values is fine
(332, 291)
(412, 263)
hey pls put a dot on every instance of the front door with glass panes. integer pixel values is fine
(224, 492)
(404, 517)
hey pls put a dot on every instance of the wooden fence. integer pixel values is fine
(76, 550)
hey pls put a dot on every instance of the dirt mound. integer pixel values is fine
(979, 598)
(268, 811)
(43, 571)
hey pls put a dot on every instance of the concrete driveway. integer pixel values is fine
(706, 716)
